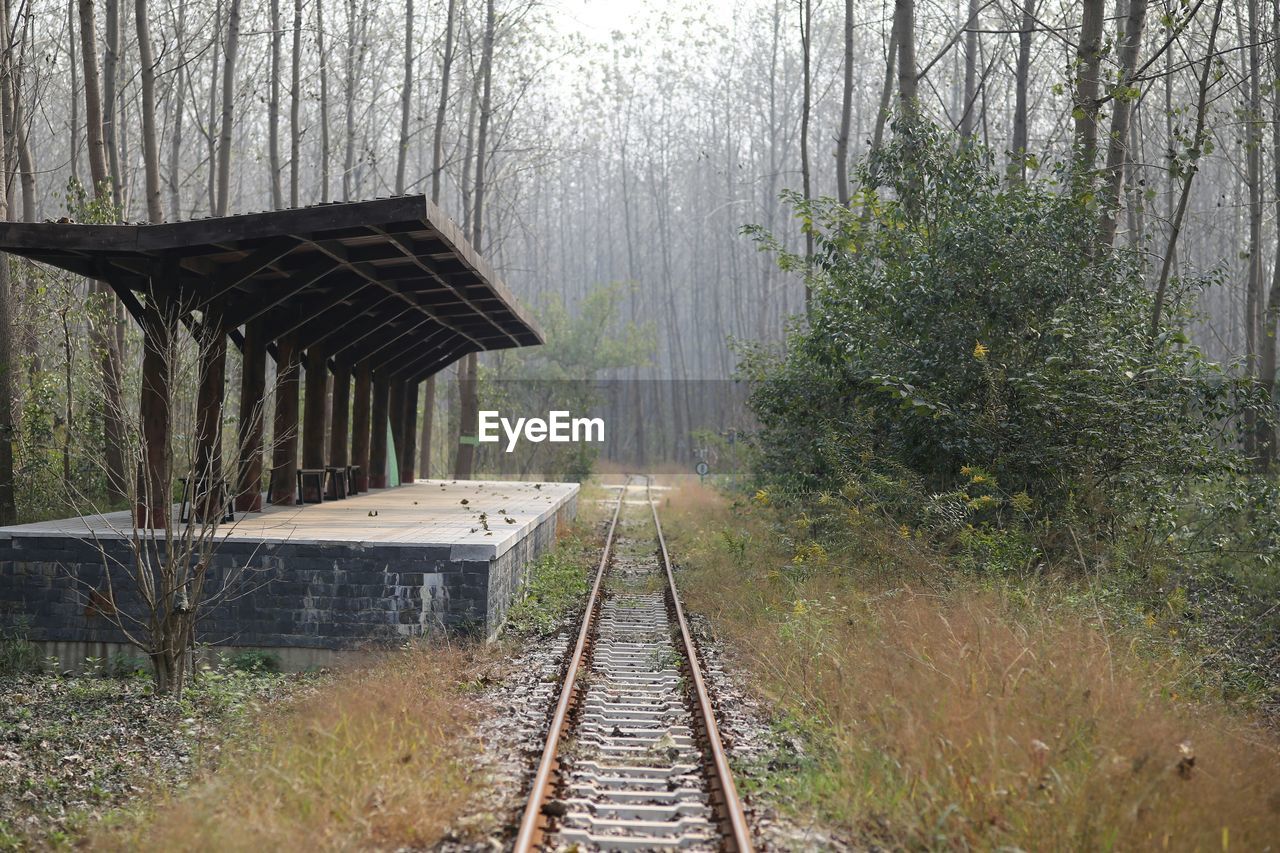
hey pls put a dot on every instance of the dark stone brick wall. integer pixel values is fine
(320, 596)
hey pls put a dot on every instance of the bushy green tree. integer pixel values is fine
(960, 323)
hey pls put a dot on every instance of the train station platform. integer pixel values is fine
(304, 581)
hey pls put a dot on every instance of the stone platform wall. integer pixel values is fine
(306, 596)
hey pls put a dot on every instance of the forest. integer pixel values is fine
(970, 307)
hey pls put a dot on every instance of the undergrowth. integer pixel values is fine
(941, 709)
(378, 758)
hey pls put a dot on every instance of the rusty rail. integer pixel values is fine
(725, 805)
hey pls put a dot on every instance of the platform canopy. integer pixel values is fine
(384, 292)
(390, 283)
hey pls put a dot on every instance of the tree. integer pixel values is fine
(468, 387)
(846, 109)
(273, 110)
(1124, 96)
(8, 503)
(150, 140)
(1087, 75)
(406, 99)
(904, 28)
(1187, 169)
(1017, 170)
(103, 332)
(228, 109)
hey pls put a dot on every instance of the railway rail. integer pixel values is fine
(633, 759)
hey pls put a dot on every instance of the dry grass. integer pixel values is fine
(380, 758)
(947, 716)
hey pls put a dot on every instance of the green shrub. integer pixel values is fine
(254, 660)
(18, 655)
(966, 322)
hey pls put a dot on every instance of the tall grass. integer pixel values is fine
(945, 714)
(382, 758)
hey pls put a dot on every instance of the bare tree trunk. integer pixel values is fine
(846, 110)
(1197, 144)
(324, 103)
(175, 145)
(1122, 113)
(468, 389)
(406, 98)
(437, 140)
(295, 102)
(349, 160)
(8, 503)
(1254, 297)
(1270, 316)
(1017, 169)
(904, 26)
(102, 331)
(228, 108)
(110, 109)
(970, 72)
(1088, 62)
(437, 167)
(806, 107)
(273, 110)
(150, 141)
(74, 123)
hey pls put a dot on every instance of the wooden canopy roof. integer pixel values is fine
(390, 283)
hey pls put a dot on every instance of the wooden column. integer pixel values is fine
(360, 426)
(253, 391)
(207, 490)
(378, 434)
(395, 413)
(313, 418)
(338, 425)
(155, 489)
(284, 439)
(428, 419)
(409, 455)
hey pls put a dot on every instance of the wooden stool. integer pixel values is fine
(311, 475)
(188, 499)
(353, 480)
(336, 479)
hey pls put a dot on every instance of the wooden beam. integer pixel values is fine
(303, 315)
(360, 425)
(248, 308)
(253, 390)
(339, 252)
(313, 422)
(155, 486)
(234, 275)
(284, 439)
(363, 336)
(402, 243)
(337, 329)
(378, 433)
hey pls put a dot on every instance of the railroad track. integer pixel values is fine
(633, 759)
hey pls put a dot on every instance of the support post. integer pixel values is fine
(155, 490)
(360, 426)
(284, 440)
(408, 456)
(378, 433)
(208, 492)
(395, 413)
(428, 420)
(253, 390)
(338, 455)
(313, 421)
